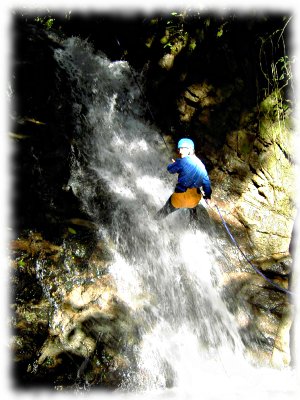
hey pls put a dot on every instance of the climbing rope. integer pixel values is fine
(145, 99)
(247, 259)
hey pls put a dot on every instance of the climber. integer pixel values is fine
(192, 176)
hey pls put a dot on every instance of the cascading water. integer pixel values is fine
(165, 272)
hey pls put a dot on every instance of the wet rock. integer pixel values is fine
(264, 315)
(72, 314)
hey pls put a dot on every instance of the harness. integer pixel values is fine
(188, 199)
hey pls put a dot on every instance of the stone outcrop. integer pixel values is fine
(259, 166)
(69, 326)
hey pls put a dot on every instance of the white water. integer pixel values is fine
(166, 273)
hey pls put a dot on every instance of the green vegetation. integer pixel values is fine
(46, 21)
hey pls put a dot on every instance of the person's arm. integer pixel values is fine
(206, 187)
(174, 167)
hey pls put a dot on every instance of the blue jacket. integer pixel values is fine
(191, 174)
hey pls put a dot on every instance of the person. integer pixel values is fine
(192, 176)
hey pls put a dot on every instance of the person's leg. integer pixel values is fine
(193, 213)
(193, 218)
(165, 211)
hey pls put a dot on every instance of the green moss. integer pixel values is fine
(245, 144)
(269, 103)
(164, 40)
(266, 130)
(49, 362)
(149, 42)
(245, 148)
(192, 45)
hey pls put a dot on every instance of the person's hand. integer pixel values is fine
(173, 160)
(209, 202)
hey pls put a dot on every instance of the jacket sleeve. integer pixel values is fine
(173, 167)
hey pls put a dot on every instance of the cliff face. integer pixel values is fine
(244, 135)
(216, 86)
(253, 172)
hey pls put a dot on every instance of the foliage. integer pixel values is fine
(284, 67)
(46, 21)
(276, 67)
(275, 64)
(175, 34)
(221, 29)
(72, 230)
(181, 30)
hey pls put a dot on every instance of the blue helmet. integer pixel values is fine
(185, 142)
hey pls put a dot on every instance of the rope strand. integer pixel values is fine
(145, 100)
(247, 259)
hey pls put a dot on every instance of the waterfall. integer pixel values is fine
(167, 273)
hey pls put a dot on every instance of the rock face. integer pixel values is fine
(247, 146)
(264, 316)
(261, 173)
(69, 325)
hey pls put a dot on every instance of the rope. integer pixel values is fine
(145, 99)
(247, 259)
